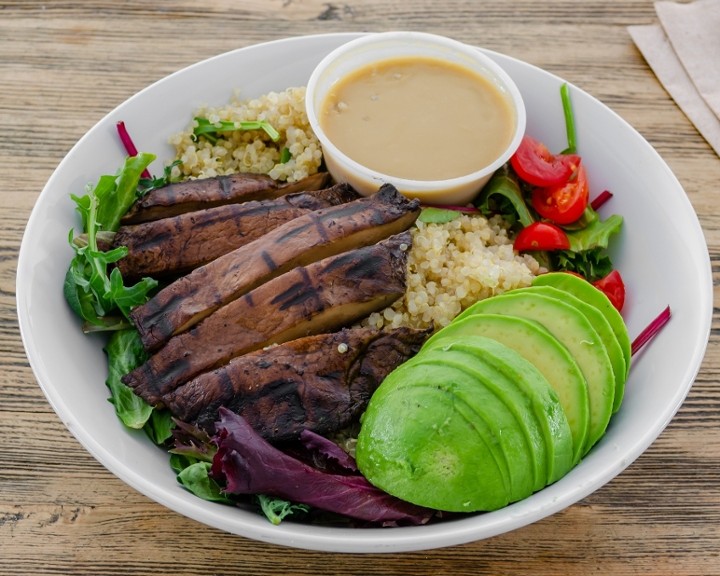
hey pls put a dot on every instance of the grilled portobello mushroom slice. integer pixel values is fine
(321, 383)
(202, 193)
(320, 297)
(303, 240)
(178, 244)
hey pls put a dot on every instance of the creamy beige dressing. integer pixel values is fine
(418, 118)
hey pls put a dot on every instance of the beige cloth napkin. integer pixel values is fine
(684, 52)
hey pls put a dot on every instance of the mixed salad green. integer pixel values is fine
(543, 195)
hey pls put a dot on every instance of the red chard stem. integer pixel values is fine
(129, 145)
(603, 197)
(651, 330)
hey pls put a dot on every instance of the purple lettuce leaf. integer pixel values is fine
(246, 463)
(192, 442)
(326, 455)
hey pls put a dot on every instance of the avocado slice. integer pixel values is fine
(582, 289)
(470, 391)
(600, 323)
(515, 396)
(414, 460)
(576, 333)
(421, 442)
(535, 400)
(534, 343)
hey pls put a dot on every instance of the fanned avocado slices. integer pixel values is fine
(503, 401)
(569, 326)
(519, 383)
(537, 346)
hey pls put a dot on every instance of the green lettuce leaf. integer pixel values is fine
(125, 352)
(277, 509)
(503, 195)
(596, 234)
(159, 426)
(587, 255)
(591, 264)
(196, 479)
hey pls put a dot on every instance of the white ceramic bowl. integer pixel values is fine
(375, 48)
(661, 253)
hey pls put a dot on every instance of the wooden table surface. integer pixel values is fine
(64, 65)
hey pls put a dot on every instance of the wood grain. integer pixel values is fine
(65, 64)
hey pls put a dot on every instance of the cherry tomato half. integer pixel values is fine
(536, 165)
(614, 288)
(541, 236)
(565, 203)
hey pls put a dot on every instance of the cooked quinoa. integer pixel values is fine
(453, 265)
(252, 150)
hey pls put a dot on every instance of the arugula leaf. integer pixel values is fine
(148, 184)
(87, 205)
(114, 201)
(88, 289)
(127, 297)
(125, 352)
(503, 195)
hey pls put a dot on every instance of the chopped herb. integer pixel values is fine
(210, 129)
(432, 215)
